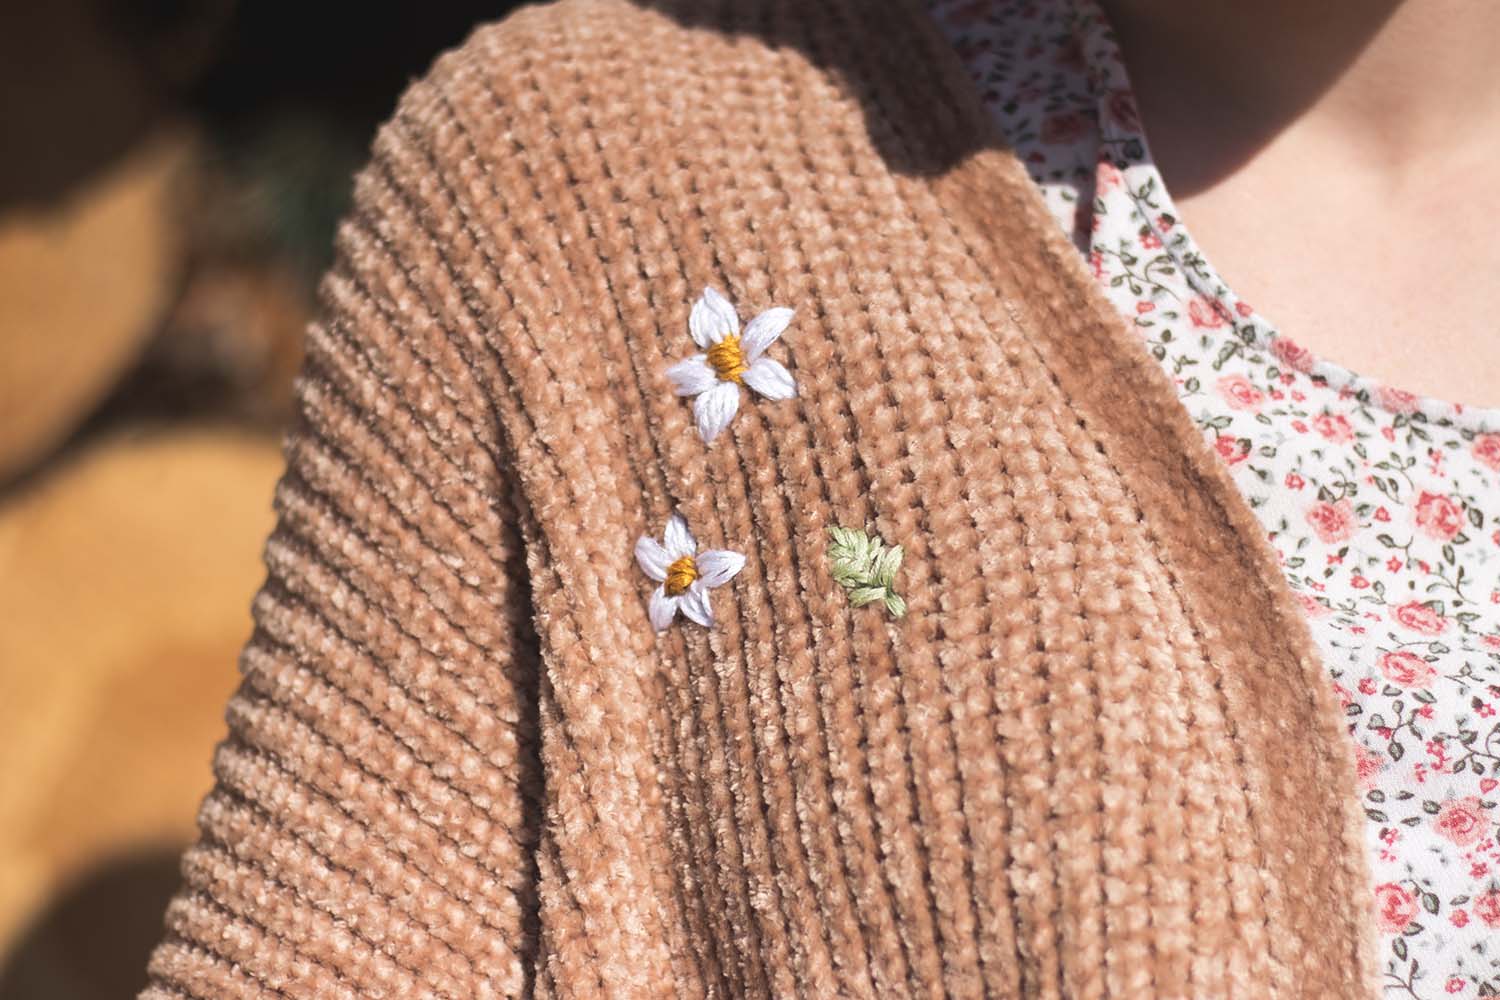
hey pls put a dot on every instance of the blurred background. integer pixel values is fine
(170, 177)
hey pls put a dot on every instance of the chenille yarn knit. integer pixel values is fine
(462, 763)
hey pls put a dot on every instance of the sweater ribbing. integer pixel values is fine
(461, 762)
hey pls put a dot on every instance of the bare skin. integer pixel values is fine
(1338, 162)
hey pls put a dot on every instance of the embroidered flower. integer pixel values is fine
(866, 567)
(729, 361)
(685, 574)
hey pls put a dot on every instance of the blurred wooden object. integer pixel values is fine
(83, 283)
(167, 283)
(126, 575)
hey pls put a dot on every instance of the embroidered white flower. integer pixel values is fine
(685, 574)
(730, 361)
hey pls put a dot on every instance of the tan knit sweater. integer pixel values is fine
(464, 765)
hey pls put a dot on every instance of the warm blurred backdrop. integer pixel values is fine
(170, 179)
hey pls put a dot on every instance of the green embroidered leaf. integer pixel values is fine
(845, 537)
(886, 565)
(866, 567)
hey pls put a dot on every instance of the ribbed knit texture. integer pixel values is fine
(463, 765)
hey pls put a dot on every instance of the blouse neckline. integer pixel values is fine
(1123, 137)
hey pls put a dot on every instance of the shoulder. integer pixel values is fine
(547, 202)
(551, 74)
(542, 187)
(521, 142)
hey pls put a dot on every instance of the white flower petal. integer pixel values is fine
(663, 609)
(652, 557)
(711, 319)
(692, 375)
(715, 408)
(770, 378)
(679, 540)
(717, 567)
(762, 331)
(694, 604)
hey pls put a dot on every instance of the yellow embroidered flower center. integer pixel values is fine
(680, 575)
(727, 359)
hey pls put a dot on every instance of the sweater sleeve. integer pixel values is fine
(373, 823)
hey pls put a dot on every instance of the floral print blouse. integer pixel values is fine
(1384, 505)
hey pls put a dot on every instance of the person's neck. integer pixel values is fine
(1397, 86)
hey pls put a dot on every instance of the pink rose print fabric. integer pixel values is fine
(1384, 505)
